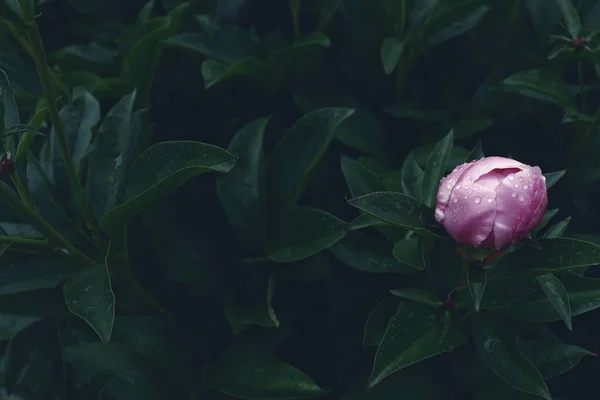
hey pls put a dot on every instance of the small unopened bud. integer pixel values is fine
(7, 166)
(579, 42)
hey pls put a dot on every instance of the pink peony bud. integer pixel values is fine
(491, 202)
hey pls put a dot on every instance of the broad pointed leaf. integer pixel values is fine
(436, 168)
(413, 335)
(110, 156)
(399, 209)
(300, 150)
(301, 232)
(242, 191)
(369, 254)
(498, 348)
(558, 296)
(158, 171)
(89, 295)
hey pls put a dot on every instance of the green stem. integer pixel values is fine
(294, 9)
(23, 241)
(8, 198)
(581, 85)
(39, 56)
(402, 18)
(21, 189)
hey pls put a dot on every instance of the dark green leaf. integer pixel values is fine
(156, 339)
(79, 117)
(125, 363)
(99, 87)
(398, 209)
(31, 363)
(301, 232)
(221, 42)
(584, 296)
(10, 325)
(366, 221)
(553, 256)
(110, 156)
(544, 14)
(552, 358)
(24, 272)
(498, 348)
(89, 295)
(300, 150)
(379, 319)
(20, 129)
(558, 296)
(391, 51)
(413, 335)
(436, 168)
(43, 196)
(457, 27)
(159, 170)
(250, 372)
(557, 229)
(418, 295)
(92, 53)
(361, 131)
(571, 17)
(7, 98)
(540, 84)
(242, 311)
(411, 177)
(553, 177)
(141, 61)
(368, 254)
(546, 218)
(408, 251)
(477, 280)
(250, 68)
(298, 52)
(242, 191)
(359, 179)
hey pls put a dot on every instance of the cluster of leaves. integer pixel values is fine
(306, 262)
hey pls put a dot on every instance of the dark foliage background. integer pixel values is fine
(247, 292)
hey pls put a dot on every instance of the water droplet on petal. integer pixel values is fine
(458, 187)
(455, 200)
(521, 197)
(466, 186)
(516, 185)
(513, 194)
(490, 200)
(448, 186)
(525, 186)
(477, 200)
(511, 177)
(450, 180)
(521, 178)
